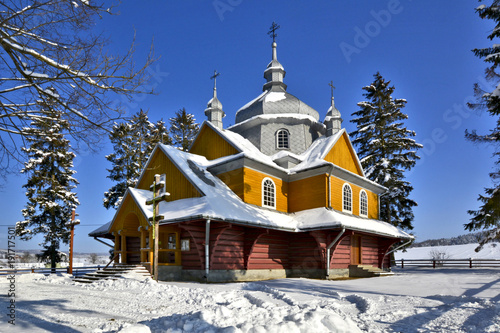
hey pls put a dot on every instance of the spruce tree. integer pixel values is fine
(488, 215)
(133, 142)
(386, 149)
(184, 129)
(50, 184)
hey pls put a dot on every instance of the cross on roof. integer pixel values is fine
(214, 77)
(272, 31)
(332, 86)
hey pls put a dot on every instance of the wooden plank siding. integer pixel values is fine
(227, 247)
(342, 254)
(304, 252)
(337, 186)
(211, 145)
(195, 232)
(344, 156)
(176, 183)
(234, 180)
(190, 259)
(369, 251)
(270, 252)
(308, 193)
(252, 191)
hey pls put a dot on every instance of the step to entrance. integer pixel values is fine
(367, 271)
(112, 273)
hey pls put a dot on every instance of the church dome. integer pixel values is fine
(274, 99)
(275, 102)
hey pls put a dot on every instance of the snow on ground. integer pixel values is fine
(413, 300)
(466, 251)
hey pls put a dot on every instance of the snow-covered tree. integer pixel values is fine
(50, 184)
(184, 129)
(386, 149)
(53, 43)
(488, 215)
(133, 142)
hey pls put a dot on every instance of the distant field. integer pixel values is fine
(490, 251)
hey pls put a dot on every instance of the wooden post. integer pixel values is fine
(402, 263)
(156, 187)
(470, 262)
(72, 235)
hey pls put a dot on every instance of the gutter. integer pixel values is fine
(207, 255)
(330, 186)
(328, 251)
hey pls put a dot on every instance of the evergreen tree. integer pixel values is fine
(184, 129)
(386, 149)
(133, 142)
(50, 184)
(488, 215)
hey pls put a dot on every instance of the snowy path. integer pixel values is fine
(414, 300)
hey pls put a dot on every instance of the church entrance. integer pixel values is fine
(133, 250)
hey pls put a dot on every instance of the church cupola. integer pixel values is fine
(275, 73)
(214, 111)
(333, 120)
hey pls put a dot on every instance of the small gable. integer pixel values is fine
(129, 217)
(343, 155)
(176, 183)
(210, 144)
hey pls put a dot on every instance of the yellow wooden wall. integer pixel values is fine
(234, 180)
(129, 217)
(344, 156)
(337, 186)
(211, 145)
(252, 190)
(177, 184)
(308, 193)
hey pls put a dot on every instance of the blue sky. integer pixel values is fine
(423, 47)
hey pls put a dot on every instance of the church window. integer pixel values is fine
(363, 203)
(347, 198)
(268, 193)
(282, 139)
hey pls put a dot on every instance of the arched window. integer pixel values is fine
(282, 139)
(347, 198)
(363, 203)
(268, 193)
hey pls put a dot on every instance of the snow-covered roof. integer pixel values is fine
(219, 202)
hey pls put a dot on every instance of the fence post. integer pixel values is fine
(433, 263)
(402, 263)
(470, 262)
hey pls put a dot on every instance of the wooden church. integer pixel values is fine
(278, 194)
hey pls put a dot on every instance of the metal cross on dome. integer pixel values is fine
(214, 77)
(272, 31)
(332, 86)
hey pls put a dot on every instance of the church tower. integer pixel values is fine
(214, 111)
(277, 122)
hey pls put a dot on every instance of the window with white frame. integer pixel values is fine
(363, 203)
(268, 193)
(282, 139)
(347, 198)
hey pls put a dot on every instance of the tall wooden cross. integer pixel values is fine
(332, 86)
(214, 77)
(156, 188)
(272, 31)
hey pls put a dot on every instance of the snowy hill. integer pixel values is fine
(465, 251)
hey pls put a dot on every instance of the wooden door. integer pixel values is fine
(355, 250)
(133, 250)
